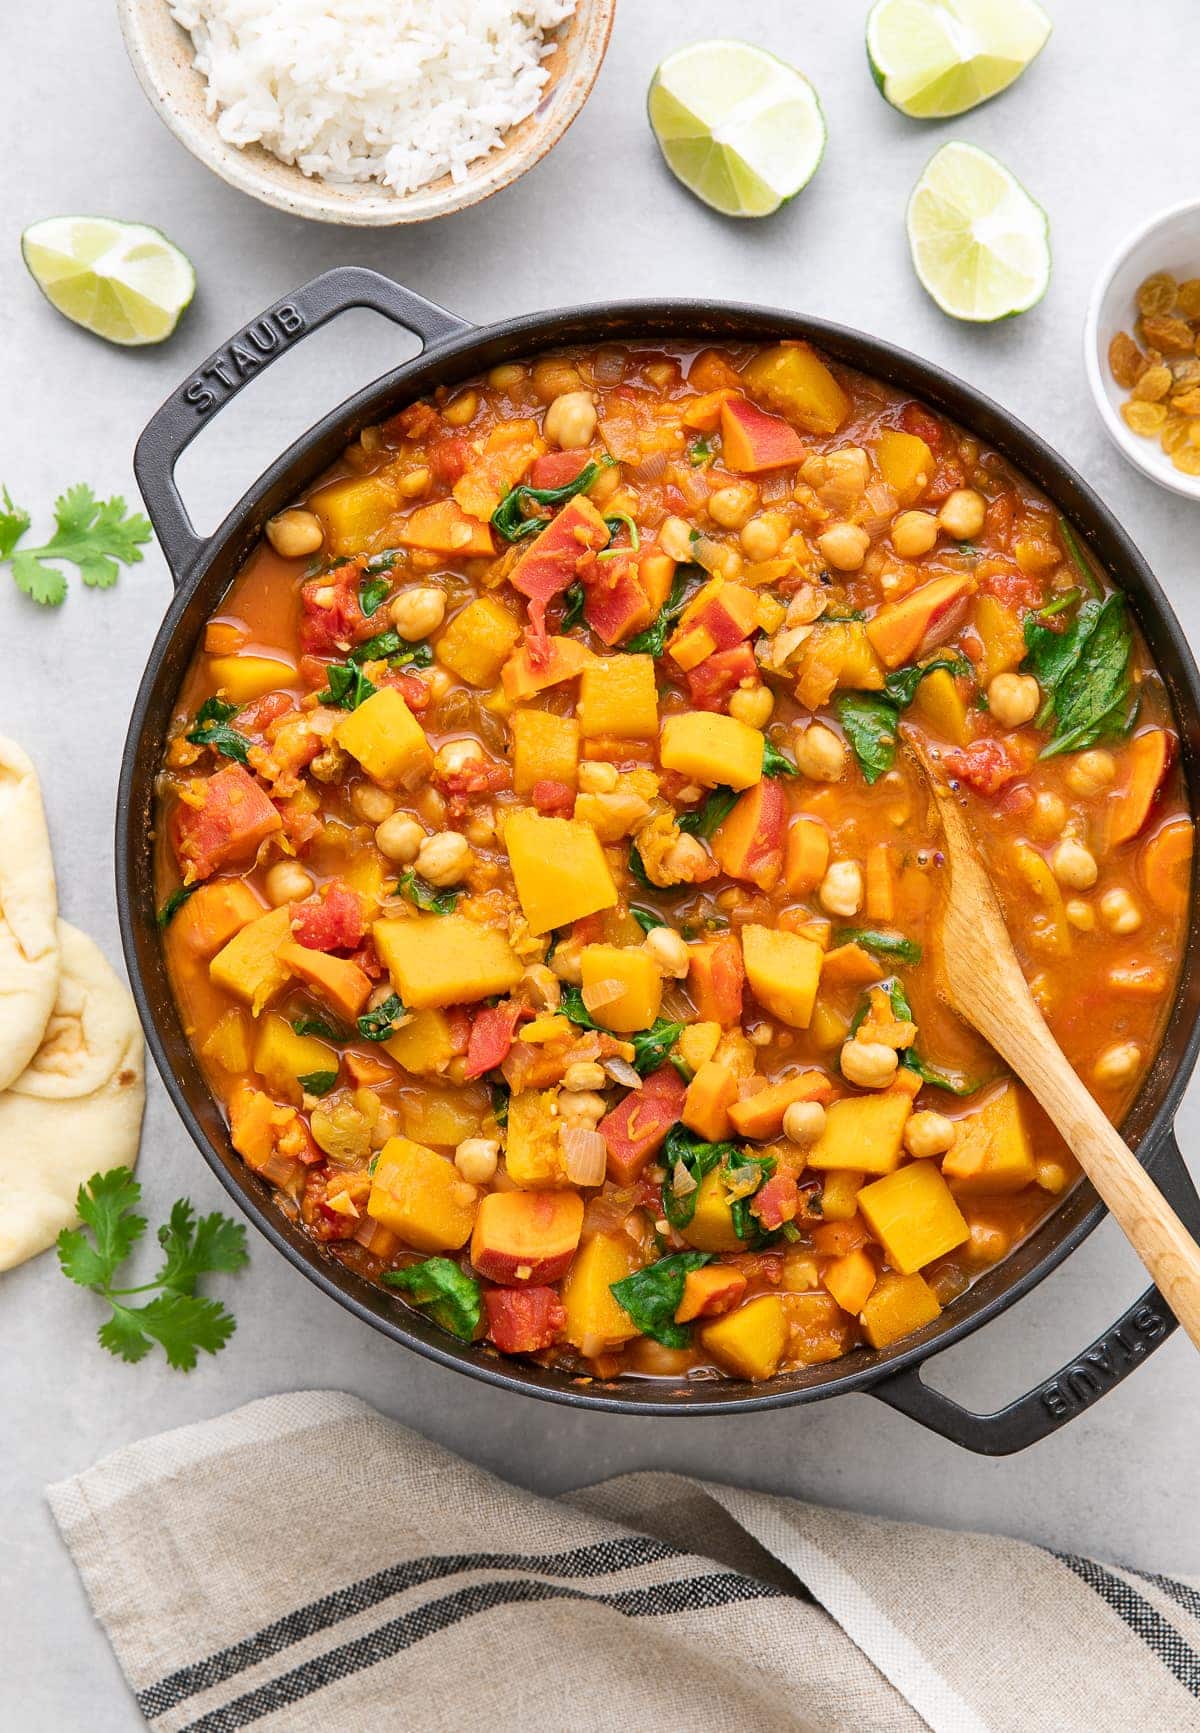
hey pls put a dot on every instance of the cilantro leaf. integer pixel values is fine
(180, 1323)
(426, 896)
(196, 1248)
(700, 452)
(97, 536)
(211, 728)
(380, 1025)
(105, 1204)
(451, 1297)
(651, 1296)
(13, 523)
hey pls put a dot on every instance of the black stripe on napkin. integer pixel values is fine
(1181, 1593)
(689, 1594)
(1179, 1658)
(623, 1553)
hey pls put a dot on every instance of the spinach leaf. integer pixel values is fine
(776, 763)
(698, 1159)
(508, 520)
(348, 686)
(703, 820)
(647, 920)
(500, 1096)
(870, 723)
(372, 594)
(380, 1025)
(901, 684)
(395, 650)
(380, 563)
(845, 614)
(651, 1296)
(451, 1297)
(700, 452)
(618, 521)
(953, 1083)
(175, 902)
(651, 1046)
(883, 944)
(1078, 559)
(652, 641)
(317, 1082)
(425, 895)
(320, 1026)
(576, 600)
(743, 1175)
(637, 868)
(1084, 673)
(211, 728)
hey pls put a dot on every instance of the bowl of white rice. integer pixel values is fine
(368, 112)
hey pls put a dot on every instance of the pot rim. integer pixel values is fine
(626, 321)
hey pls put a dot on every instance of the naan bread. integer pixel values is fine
(28, 909)
(77, 1109)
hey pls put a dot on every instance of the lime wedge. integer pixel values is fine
(935, 58)
(122, 281)
(979, 244)
(741, 129)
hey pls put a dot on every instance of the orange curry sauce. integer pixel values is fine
(422, 970)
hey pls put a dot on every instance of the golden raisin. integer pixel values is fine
(1187, 402)
(1174, 434)
(1189, 298)
(1125, 360)
(1187, 458)
(1173, 336)
(1157, 294)
(1154, 384)
(1144, 418)
(1186, 375)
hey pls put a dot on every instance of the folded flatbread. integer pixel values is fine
(28, 910)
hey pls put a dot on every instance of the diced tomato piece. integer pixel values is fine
(299, 826)
(948, 476)
(413, 690)
(587, 930)
(713, 682)
(522, 1320)
(236, 816)
(636, 1129)
(553, 798)
(257, 717)
(986, 765)
(465, 786)
(548, 566)
(326, 1224)
(998, 521)
(450, 459)
(330, 921)
(367, 959)
(775, 1201)
(492, 1033)
(915, 419)
(1015, 588)
(558, 468)
(336, 620)
(415, 422)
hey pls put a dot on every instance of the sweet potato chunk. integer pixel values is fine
(341, 983)
(526, 1237)
(636, 1128)
(709, 1291)
(231, 816)
(212, 915)
(748, 844)
(897, 629)
(710, 1095)
(761, 1116)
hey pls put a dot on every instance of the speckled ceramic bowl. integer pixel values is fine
(162, 58)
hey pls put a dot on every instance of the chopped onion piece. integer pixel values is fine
(602, 993)
(651, 468)
(585, 1155)
(622, 1072)
(879, 503)
(682, 1181)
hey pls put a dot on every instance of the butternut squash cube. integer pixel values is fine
(706, 1106)
(905, 463)
(711, 1227)
(281, 1057)
(423, 1046)
(387, 740)
(749, 1342)
(249, 965)
(784, 972)
(438, 960)
(863, 1133)
(353, 511)
(477, 641)
(913, 1215)
(227, 1043)
(897, 1306)
(711, 748)
(850, 1280)
(533, 1150)
(839, 1194)
(818, 1329)
(698, 1043)
(1000, 634)
(559, 869)
(640, 979)
(595, 1321)
(618, 697)
(422, 1197)
(445, 1116)
(941, 706)
(793, 379)
(242, 679)
(992, 1151)
(545, 748)
(212, 915)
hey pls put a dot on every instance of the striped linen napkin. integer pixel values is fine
(306, 1564)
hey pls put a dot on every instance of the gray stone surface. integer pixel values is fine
(600, 219)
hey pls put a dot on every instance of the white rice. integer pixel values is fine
(398, 91)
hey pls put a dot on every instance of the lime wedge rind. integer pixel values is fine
(125, 282)
(980, 245)
(934, 59)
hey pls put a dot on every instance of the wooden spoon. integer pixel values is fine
(985, 986)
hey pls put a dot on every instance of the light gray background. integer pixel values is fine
(1099, 132)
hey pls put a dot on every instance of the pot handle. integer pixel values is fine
(173, 427)
(1082, 1381)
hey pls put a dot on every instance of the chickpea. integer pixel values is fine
(444, 860)
(752, 705)
(456, 755)
(504, 377)
(413, 484)
(1117, 1065)
(570, 420)
(597, 777)
(584, 1074)
(1081, 915)
(371, 803)
(665, 948)
(844, 546)
(1014, 699)
(761, 1035)
(566, 965)
(430, 804)
(675, 539)
(763, 536)
(477, 1158)
(962, 513)
(803, 1122)
(869, 1064)
(820, 755)
(542, 987)
(1074, 866)
(841, 891)
(418, 612)
(986, 1244)
(914, 533)
(582, 1107)
(398, 838)
(437, 683)
(929, 1134)
(295, 533)
(1119, 912)
(731, 506)
(1048, 814)
(684, 859)
(553, 377)
(287, 882)
(1091, 773)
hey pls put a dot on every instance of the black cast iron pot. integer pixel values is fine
(454, 350)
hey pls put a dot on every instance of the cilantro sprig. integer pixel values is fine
(95, 535)
(179, 1319)
(211, 728)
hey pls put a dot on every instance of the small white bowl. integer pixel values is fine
(1169, 242)
(161, 53)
